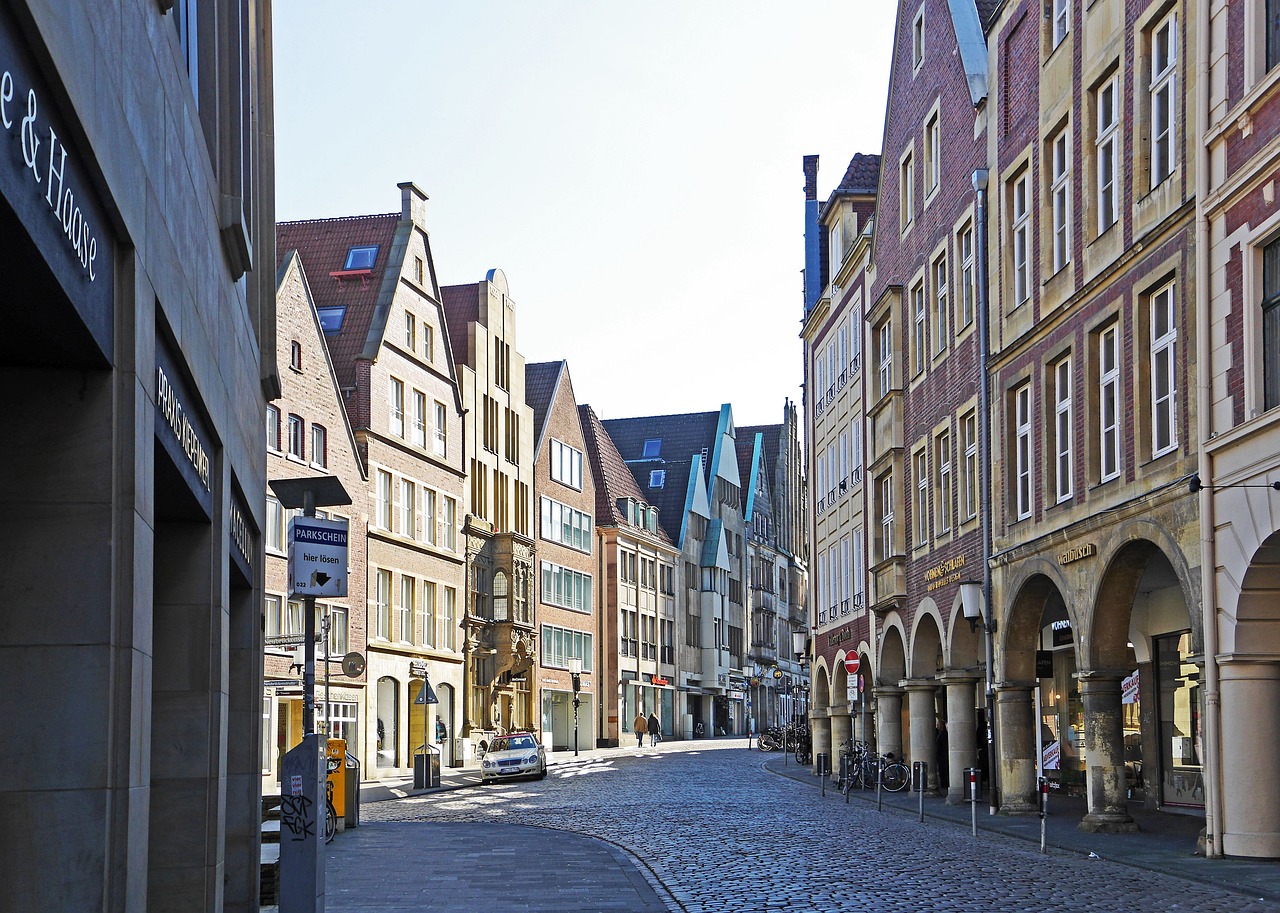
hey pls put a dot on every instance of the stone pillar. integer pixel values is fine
(841, 732)
(821, 734)
(962, 740)
(1016, 719)
(1104, 755)
(889, 720)
(1250, 746)
(922, 697)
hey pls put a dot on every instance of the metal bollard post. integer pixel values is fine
(880, 785)
(973, 800)
(920, 782)
(1044, 811)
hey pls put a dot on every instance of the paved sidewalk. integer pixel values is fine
(1166, 842)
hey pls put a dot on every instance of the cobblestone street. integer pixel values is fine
(719, 832)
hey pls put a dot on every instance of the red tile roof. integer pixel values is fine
(461, 308)
(322, 245)
(614, 481)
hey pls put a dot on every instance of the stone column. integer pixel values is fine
(821, 723)
(1104, 755)
(922, 696)
(889, 719)
(962, 740)
(1250, 746)
(1015, 717)
(841, 732)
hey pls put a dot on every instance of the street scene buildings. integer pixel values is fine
(1021, 530)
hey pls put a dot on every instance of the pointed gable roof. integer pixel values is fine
(461, 308)
(614, 481)
(541, 380)
(323, 245)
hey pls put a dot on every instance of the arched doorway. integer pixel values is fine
(891, 670)
(445, 713)
(820, 712)
(1141, 647)
(388, 722)
(924, 712)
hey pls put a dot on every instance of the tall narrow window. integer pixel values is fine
(404, 611)
(382, 507)
(1062, 428)
(943, 461)
(1108, 153)
(835, 236)
(917, 40)
(297, 442)
(1021, 222)
(1109, 401)
(396, 404)
(410, 331)
(449, 619)
(1060, 191)
(918, 350)
(1164, 384)
(429, 519)
(907, 192)
(408, 508)
(273, 428)
(1271, 308)
(419, 419)
(967, 285)
(382, 604)
(1164, 60)
(1023, 452)
(427, 623)
(932, 154)
(885, 369)
(1061, 20)
(319, 446)
(922, 499)
(941, 325)
(886, 517)
(969, 425)
(441, 429)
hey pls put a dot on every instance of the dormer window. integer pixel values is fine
(657, 478)
(361, 257)
(652, 448)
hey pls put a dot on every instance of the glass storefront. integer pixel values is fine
(1178, 684)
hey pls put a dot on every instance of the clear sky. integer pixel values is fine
(633, 168)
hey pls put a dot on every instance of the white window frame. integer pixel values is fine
(886, 517)
(922, 497)
(1107, 145)
(1062, 430)
(886, 357)
(1164, 366)
(405, 607)
(941, 325)
(1023, 452)
(319, 446)
(408, 508)
(427, 614)
(396, 407)
(933, 152)
(967, 276)
(449, 619)
(1061, 20)
(969, 425)
(835, 235)
(566, 464)
(382, 517)
(1164, 98)
(382, 603)
(419, 419)
(273, 428)
(441, 430)
(297, 437)
(410, 330)
(919, 341)
(1060, 194)
(1020, 200)
(1109, 402)
(943, 459)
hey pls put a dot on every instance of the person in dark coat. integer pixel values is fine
(638, 727)
(655, 729)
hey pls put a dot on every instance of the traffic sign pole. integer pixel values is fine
(309, 639)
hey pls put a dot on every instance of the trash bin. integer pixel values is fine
(353, 791)
(919, 776)
(823, 764)
(426, 769)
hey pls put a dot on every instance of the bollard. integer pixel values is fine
(823, 761)
(880, 785)
(973, 799)
(920, 782)
(1044, 811)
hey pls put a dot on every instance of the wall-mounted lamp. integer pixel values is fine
(971, 602)
(1196, 485)
(800, 645)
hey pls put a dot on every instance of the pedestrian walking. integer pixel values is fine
(655, 730)
(640, 725)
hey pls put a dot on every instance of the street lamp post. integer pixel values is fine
(575, 673)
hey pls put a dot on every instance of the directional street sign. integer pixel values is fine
(317, 557)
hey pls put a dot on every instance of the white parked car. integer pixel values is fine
(516, 754)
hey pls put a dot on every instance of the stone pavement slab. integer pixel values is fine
(412, 867)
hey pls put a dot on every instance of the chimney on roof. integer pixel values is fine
(811, 177)
(413, 203)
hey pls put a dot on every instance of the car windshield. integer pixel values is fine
(514, 743)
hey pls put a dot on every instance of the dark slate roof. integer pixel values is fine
(461, 307)
(323, 244)
(862, 175)
(540, 380)
(614, 481)
(987, 10)
(682, 437)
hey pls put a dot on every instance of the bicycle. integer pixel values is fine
(894, 775)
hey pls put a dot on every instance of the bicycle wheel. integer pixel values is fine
(330, 822)
(895, 777)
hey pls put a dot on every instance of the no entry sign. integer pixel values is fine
(851, 663)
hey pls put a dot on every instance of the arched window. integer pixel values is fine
(500, 596)
(388, 723)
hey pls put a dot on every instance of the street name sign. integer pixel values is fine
(317, 557)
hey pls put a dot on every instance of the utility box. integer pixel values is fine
(336, 776)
